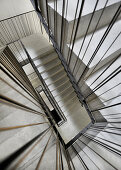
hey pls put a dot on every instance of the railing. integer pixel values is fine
(100, 144)
(29, 105)
(58, 28)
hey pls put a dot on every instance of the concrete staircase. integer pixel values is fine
(50, 68)
(48, 63)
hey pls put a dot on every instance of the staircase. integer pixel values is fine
(50, 68)
(91, 153)
(91, 146)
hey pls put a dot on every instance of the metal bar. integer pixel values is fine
(106, 107)
(19, 92)
(85, 35)
(56, 17)
(59, 160)
(105, 92)
(24, 88)
(57, 154)
(102, 39)
(62, 25)
(97, 153)
(102, 127)
(72, 30)
(105, 140)
(93, 33)
(104, 71)
(112, 114)
(87, 155)
(30, 150)
(61, 157)
(80, 13)
(47, 16)
(67, 160)
(6, 162)
(15, 69)
(45, 148)
(103, 56)
(79, 157)
(97, 129)
(107, 100)
(112, 98)
(99, 86)
(110, 148)
(109, 89)
(21, 126)
(70, 159)
(7, 100)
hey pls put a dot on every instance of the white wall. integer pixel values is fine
(9, 8)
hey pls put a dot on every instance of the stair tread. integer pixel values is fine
(67, 102)
(45, 59)
(65, 92)
(66, 97)
(46, 67)
(55, 93)
(55, 78)
(52, 72)
(76, 108)
(58, 83)
(71, 104)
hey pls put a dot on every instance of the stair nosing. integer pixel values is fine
(48, 68)
(57, 79)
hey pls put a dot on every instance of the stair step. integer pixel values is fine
(46, 59)
(32, 76)
(66, 97)
(55, 78)
(58, 83)
(40, 45)
(62, 90)
(65, 92)
(76, 108)
(68, 102)
(52, 72)
(49, 66)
